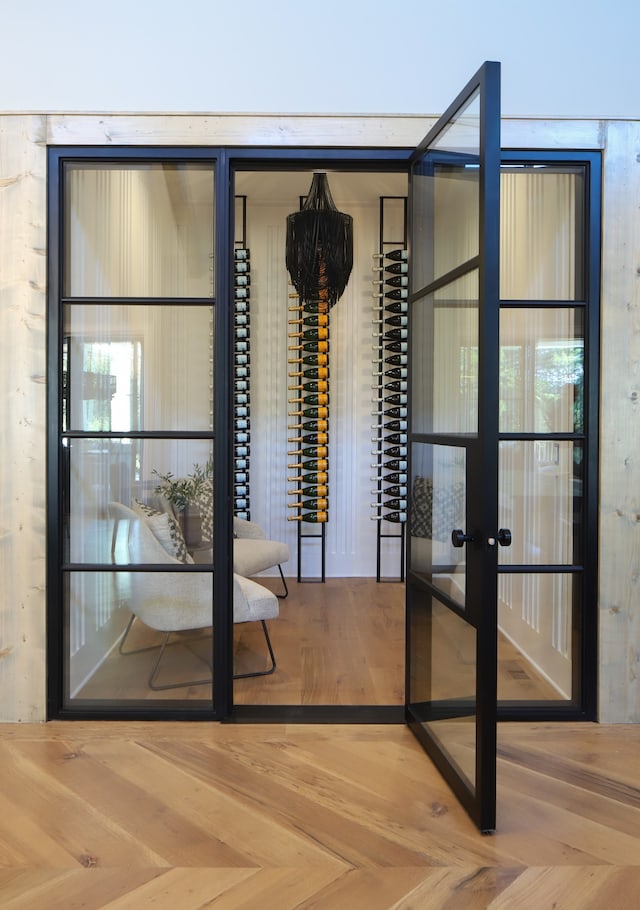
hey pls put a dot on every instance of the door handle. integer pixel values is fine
(459, 538)
(504, 537)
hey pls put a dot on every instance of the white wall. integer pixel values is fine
(340, 56)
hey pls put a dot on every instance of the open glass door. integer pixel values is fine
(453, 443)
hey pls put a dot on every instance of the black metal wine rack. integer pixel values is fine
(390, 330)
(242, 370)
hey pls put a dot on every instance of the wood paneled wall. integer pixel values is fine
(23, 140)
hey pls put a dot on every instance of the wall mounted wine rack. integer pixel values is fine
(242, 366)
(389, 386)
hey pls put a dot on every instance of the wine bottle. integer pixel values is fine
(397, 281)
(311, 413)
(316, 505)
(240, 489)
(318, 334)
(319, 398)
(310, 517)
(242, 451)
(319, 319)
(397, 319)
(241, 502)
(393, 477)
(312, 360)
(312, 373)
(242, 359)
(241, 266)
(241, 398)
(396, 438)
(396, 517)
(395, 412)
(240, 476)
(396, 360)
(393, 398)
(395, 334)
(241, 332)
(395, 464)
(395, 255)
(395, 490)
(308, 439)
(396, 385)
(319, 451)
(397, 505)
(241, 463)
(242, 373)
(396, 451)
(241, 281)
(398, 347)
(321, 347)
(240, 346)
(240, 294)
(241, 437)
(317, 426)
(319, 385)
(240, 384)
(315, 490)
(396, 373)
(395, 294)
(310, 306)
(241, 253)
(310, 464)
(311, 477)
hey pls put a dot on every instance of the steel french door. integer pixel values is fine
(452, 528)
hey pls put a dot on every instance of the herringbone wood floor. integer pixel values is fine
(198, 815)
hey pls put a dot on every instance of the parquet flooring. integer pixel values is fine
(186, 816)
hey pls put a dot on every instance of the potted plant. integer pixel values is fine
(183, 494)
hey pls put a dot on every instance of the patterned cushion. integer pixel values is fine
(436, 515)
(204, 504)
(165, 529)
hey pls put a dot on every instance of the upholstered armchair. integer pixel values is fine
(254, 553)
(171, 602)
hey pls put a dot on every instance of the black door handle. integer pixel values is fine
(459, 538)
(504, 537)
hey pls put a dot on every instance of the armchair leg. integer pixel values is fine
(179, 685)
(271, 655)
(286, 589)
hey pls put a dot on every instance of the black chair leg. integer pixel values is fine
(286, 589)
(270, 670)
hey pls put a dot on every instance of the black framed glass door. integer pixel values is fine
(453, 536)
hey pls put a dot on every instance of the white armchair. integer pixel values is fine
(254, 553)
(172, 602)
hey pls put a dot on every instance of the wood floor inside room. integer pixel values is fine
(186, 816)
(337, 643)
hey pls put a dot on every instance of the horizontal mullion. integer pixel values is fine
(142, 567)
(139, 301)
(443, 439)
(138, 434)
(546, 569)
(542, 437)
(541, 304)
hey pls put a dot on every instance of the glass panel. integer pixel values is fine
(106, 477)
(438, 506)
(446, 200)
(105, 663)
(445, 387)
(131, 368)
(139, 230)
(442, 681)
(535, 636)
(541, 370)
(541, 230)
(540, 501)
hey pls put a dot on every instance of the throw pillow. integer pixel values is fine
(165, 529)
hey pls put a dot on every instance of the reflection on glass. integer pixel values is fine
(540, 500)
(446, 200)
(129, 368)
(541, 370)
(442, 682)
(444, 359)
(104, 665)
(437, 507)
(535, 636)
(139, 230)
(108, 477)
(541, 230)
